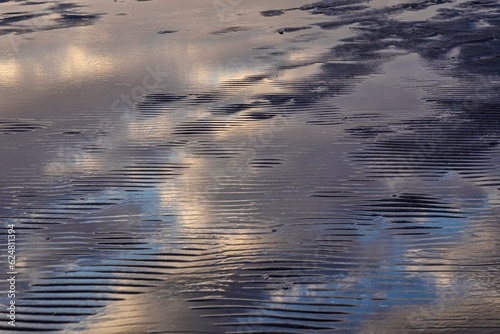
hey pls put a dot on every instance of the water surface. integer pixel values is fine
(251, 166)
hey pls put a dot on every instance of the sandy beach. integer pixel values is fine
(250, 166)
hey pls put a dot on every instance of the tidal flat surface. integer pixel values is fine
(251, 166)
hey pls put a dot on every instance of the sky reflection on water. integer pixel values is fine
(180, 168)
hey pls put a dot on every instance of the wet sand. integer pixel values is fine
(253, 166)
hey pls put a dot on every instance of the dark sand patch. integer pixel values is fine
(229, 30)
(164, 32)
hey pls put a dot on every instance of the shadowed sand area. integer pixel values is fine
(251, 166)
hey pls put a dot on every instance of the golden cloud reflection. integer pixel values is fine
(73, 162)
(73, 64)
(141, 311)
(10, 71)
(80, 63)
(188, 190)
(206, 74)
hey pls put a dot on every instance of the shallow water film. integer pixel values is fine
(250, 166)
